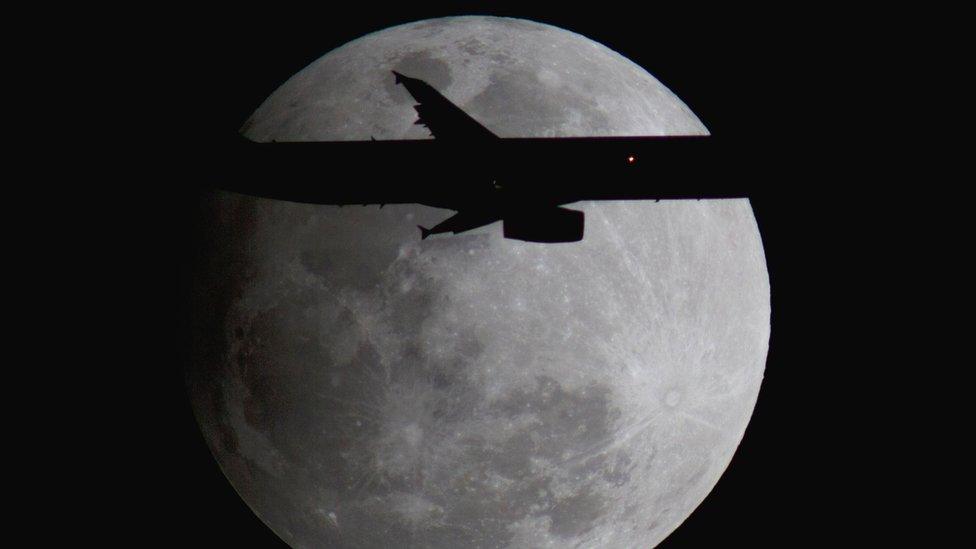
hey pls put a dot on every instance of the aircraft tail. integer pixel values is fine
(424, 232)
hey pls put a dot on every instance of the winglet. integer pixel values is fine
(424, 232)
(399, 77)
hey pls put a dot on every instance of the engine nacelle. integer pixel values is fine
(545, 225)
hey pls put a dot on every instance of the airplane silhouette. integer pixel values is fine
(522, 182)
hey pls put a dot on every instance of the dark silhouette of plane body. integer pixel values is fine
(525, 183)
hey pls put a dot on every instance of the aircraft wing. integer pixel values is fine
(444, 119)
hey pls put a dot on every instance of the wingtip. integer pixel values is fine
(424, 232)
(398, 77)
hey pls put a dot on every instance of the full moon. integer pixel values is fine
(363, 388)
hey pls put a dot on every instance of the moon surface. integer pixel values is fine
(363, 388)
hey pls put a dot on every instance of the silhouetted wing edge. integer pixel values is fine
(440, 116)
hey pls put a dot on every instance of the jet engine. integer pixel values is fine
(545, 225)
